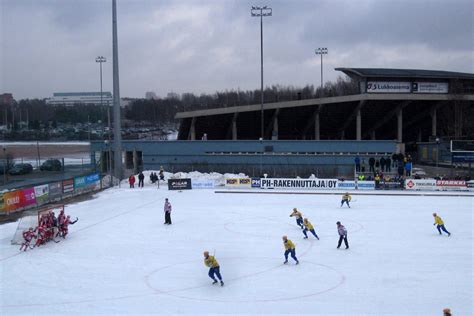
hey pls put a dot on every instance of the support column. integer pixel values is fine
(400, 125)
(192, 130)
(234, 128)
(135, 162)
(359, 125)
(419, 135)
(317, 135)
(433, 121)
(372, 135)
(275, 128)
(343, 134)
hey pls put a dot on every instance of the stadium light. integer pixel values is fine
(100, 60)
(321, 51)
(257, 11)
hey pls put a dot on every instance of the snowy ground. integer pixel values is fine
(120, 258)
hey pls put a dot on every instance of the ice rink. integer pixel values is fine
(120, 258)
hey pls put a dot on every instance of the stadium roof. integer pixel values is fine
(404, 73)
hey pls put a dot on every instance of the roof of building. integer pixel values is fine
(404, 73)
(81, 94)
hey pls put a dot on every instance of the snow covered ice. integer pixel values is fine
(120, 258)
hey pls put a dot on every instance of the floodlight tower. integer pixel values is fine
(261, 12)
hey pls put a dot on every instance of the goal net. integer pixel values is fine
(32, 221)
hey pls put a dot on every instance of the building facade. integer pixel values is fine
(71, 98)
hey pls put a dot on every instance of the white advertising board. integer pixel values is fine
(451, 185)
(388, 87)
(430, 87)
(365, 185)
(304, 184)
(202, 184)
(429, 185)
(346, 185)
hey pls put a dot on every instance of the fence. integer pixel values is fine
(26, 198)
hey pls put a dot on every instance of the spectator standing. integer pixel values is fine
(131, 180)
(400, 168)
(394, 159)
(377, 180)
(382, 164)
(141, 179)
(408, 167)
(162, 173)
(371, 164)
(388, 164)
(167, 210)
(357, 163)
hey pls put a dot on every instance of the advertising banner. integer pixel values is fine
(238, 182)
(17, 199)
(430, 87)
(451, 185)
(255, 182)
(42, 193)
(92, 178)
(79, 182)
(28, 197)
(429, 185)
(365, 185)
(55, 190)
(470, 185)
(68, 186)
(202, 184)
(389, 185)
(388, 87)
(11, 200)
(305, 184)
(179, 184)
(346, 185)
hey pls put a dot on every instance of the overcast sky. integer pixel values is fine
(212, 45)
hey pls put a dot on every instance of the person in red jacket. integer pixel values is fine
(131, 180)
(67, 222)
(41, 237)
(28, 235)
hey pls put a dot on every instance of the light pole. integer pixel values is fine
(437, 153)
(321, 51)
(261, 12)
(109, 161)
(4, 166)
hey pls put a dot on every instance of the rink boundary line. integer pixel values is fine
(352, 193)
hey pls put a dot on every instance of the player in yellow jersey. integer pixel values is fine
(346, 198)
(440, 224)
(289, 248)
(308, 226)
(299, 217)
(214, 268)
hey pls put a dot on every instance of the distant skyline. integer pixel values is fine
(205, 46)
